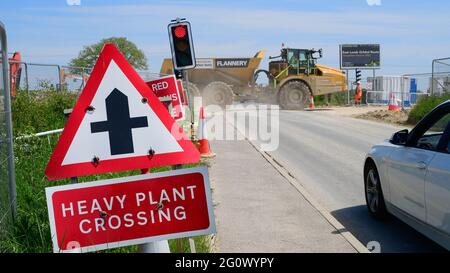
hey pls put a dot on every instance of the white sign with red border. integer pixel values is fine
(118, 124)
(183, 95)
(167, 90)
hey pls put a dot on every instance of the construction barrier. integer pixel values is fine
(8, 205)
(203, 143)
(406, 100)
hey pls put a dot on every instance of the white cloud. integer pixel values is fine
(73, 2)
(374, 2)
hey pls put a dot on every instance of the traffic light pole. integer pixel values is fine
(190, 101)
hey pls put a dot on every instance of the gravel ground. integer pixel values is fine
(374, 113)
(393, 117)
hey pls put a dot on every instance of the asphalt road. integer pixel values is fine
(325, 152)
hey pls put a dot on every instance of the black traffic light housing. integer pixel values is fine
(181, 44)
(358, 75)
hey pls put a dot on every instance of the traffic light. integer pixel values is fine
(180, 37)
(358, 76)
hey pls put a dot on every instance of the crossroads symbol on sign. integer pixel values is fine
(119, 124)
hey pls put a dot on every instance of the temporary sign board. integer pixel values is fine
(166, 88)
(183, 95)
(118, 124)
(361, 56)
(129, 211)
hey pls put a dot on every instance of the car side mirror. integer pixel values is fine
(400, 137)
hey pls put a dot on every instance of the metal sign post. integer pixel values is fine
(348, 88)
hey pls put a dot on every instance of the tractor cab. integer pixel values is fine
(294, 62)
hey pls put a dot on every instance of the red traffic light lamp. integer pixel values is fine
(180, 32)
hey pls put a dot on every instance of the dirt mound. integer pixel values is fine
(394, 117)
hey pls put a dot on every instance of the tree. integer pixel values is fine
(89, 54)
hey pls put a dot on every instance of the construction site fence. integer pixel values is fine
(38, 76)
(7, 169)
(404, 99)
(440, 80)
(408, 89)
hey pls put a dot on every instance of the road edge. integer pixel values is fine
(348, 236)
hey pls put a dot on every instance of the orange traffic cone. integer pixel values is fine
(311, 103)
(203, 143)
(393, 106)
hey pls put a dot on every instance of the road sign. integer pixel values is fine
(118, 124)
(166, 89)
(362, 56)
(131, 210)
(183, 95)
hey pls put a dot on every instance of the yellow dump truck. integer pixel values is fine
(292, 78)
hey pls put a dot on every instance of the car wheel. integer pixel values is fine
(374, 194)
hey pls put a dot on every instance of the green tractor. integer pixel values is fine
(294, 76)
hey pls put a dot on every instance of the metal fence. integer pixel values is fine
(440, 80)
(398, 98)
(7, 173)
(404, 91)
(37, 77)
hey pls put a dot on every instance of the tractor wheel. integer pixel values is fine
(217, 93)
(294, 95)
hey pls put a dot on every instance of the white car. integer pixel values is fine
(408, 176)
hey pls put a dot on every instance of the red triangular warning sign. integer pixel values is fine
(118, 124)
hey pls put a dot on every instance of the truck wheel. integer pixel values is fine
(193, 89)
(218, 93)
(193, 92)
(294, 96)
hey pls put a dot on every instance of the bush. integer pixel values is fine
(41, 111)
(336, 99)
(424, 106)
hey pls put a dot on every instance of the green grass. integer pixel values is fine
(424, 106)
(336, 99)
(37, 112)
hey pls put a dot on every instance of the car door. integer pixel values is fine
(437, 186)
(408, 165)
(407, 169)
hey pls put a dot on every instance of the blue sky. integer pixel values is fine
(411, 33)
